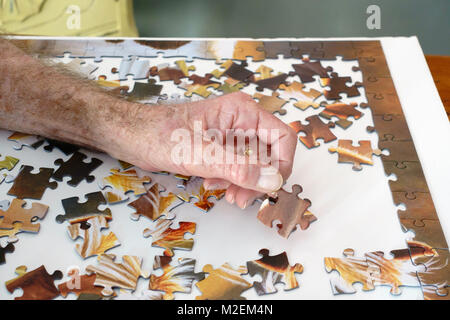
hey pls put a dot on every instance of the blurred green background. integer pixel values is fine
(428, 19)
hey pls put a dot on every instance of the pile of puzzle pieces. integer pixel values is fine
(424, 263)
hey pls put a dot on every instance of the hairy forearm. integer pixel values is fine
(38, 99)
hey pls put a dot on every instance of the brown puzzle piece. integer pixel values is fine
(338, 85)
(342, 111)
(316, 129)
(419, 207)
(308, 69)
(271, 103)
(361, 154)
(32, 186)
(26, 217)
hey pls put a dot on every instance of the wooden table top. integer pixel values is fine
(440, 69)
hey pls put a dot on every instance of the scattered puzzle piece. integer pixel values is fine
(94, 242)
(289, 210)
(76, 212)
(304, 98)
(271, 103)
(32, 186)
(37, 284)
(9, 248)
(342, 111)
(201, 90)
(273, 270)
(123, 182)
(138, 68)
(308, 69)
(153, 205)
(171, 239)
(80, 284)
(25, 140)
(117, 275)
(224, 283)
(235, 71)
(227, 88)
(65, 148)
(8, 163)
(267, 80)
(76, 168)
(338, 85)
(166, 73)
(146, 93)
(195, 189)
(314, 130)
(178, 278)
(361, 154)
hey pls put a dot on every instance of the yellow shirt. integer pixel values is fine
(68, 17)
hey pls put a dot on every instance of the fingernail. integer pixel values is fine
(245, 205)
(270, 179)
(230, 199)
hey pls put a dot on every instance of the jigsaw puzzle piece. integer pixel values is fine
(153, 204)
(303, 98)
(31, 186)
(410, 179)
(273, 270)
(288, 209)
(25, 140)
(175, 278)
(315, 129)
(138, 68)
(111, 274)
(307, 70)
(17, 218)
(37, 284)
(8, 163)
(164, 236)
(9, 248)
(94, 241)
(195, 189)
(383, 104)
(273, 49)
(361, 154)
(80, 284)
(313, 49)
(175, 74)
(342, 111)
(64, 147)
(399, 151)
(235, 71)
(146, 93)
(430, 234)
(338, 85)
(123, 182)
(224, 283)
(227, 88)
(253, 49)
(76, 212)
(271, 103)
(77, 169)
(419, 207)
(267, 80)
(390, 127)
(199, 89)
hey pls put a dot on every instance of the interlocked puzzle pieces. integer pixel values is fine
(271, 103)
(123, 182)
(288, 209)
(76, 212)
(273, 270)
(94, 242)
(76, 168)
(178, 278)
(342, 111)
(267, 80)
(17, 218)
(153, 204)
(37, 284)
(304, 98)
(314, 130)
(357, 155)
(338, 85)
(244, 49)
(32, 186)
(111, 274)
(224, 283)
(171, 239)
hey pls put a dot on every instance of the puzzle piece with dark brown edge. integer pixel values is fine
(8, 163)
(154, 204)
(314, 49)
(64, 147)
(419, 206)
(167, 73)
(383, 104)
(145, 92)
(274, 48)
(164, 236)
(32, 186)
(76, 168)
(434, 280)
(18, 219)
(122, 183)
(174, 278)
(25, 140)
(112, 275)
(9, 248)
(304, 99)
(80, 284)
(235, 71)
(360, 154)
(288, 209)
(315, 129)
(95, 243)
(308, 69)
(399, 151)
(410, 179)
(195, 190)
(342, 111)
(338, 85)
(390, 127)
(76, 212)
(224, 283)
(271, 103)
(273, 270)
(267, 80)
(37, 284)
(351, 270)
(244, 49)
(430, 234)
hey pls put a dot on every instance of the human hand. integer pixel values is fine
(157, 135)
